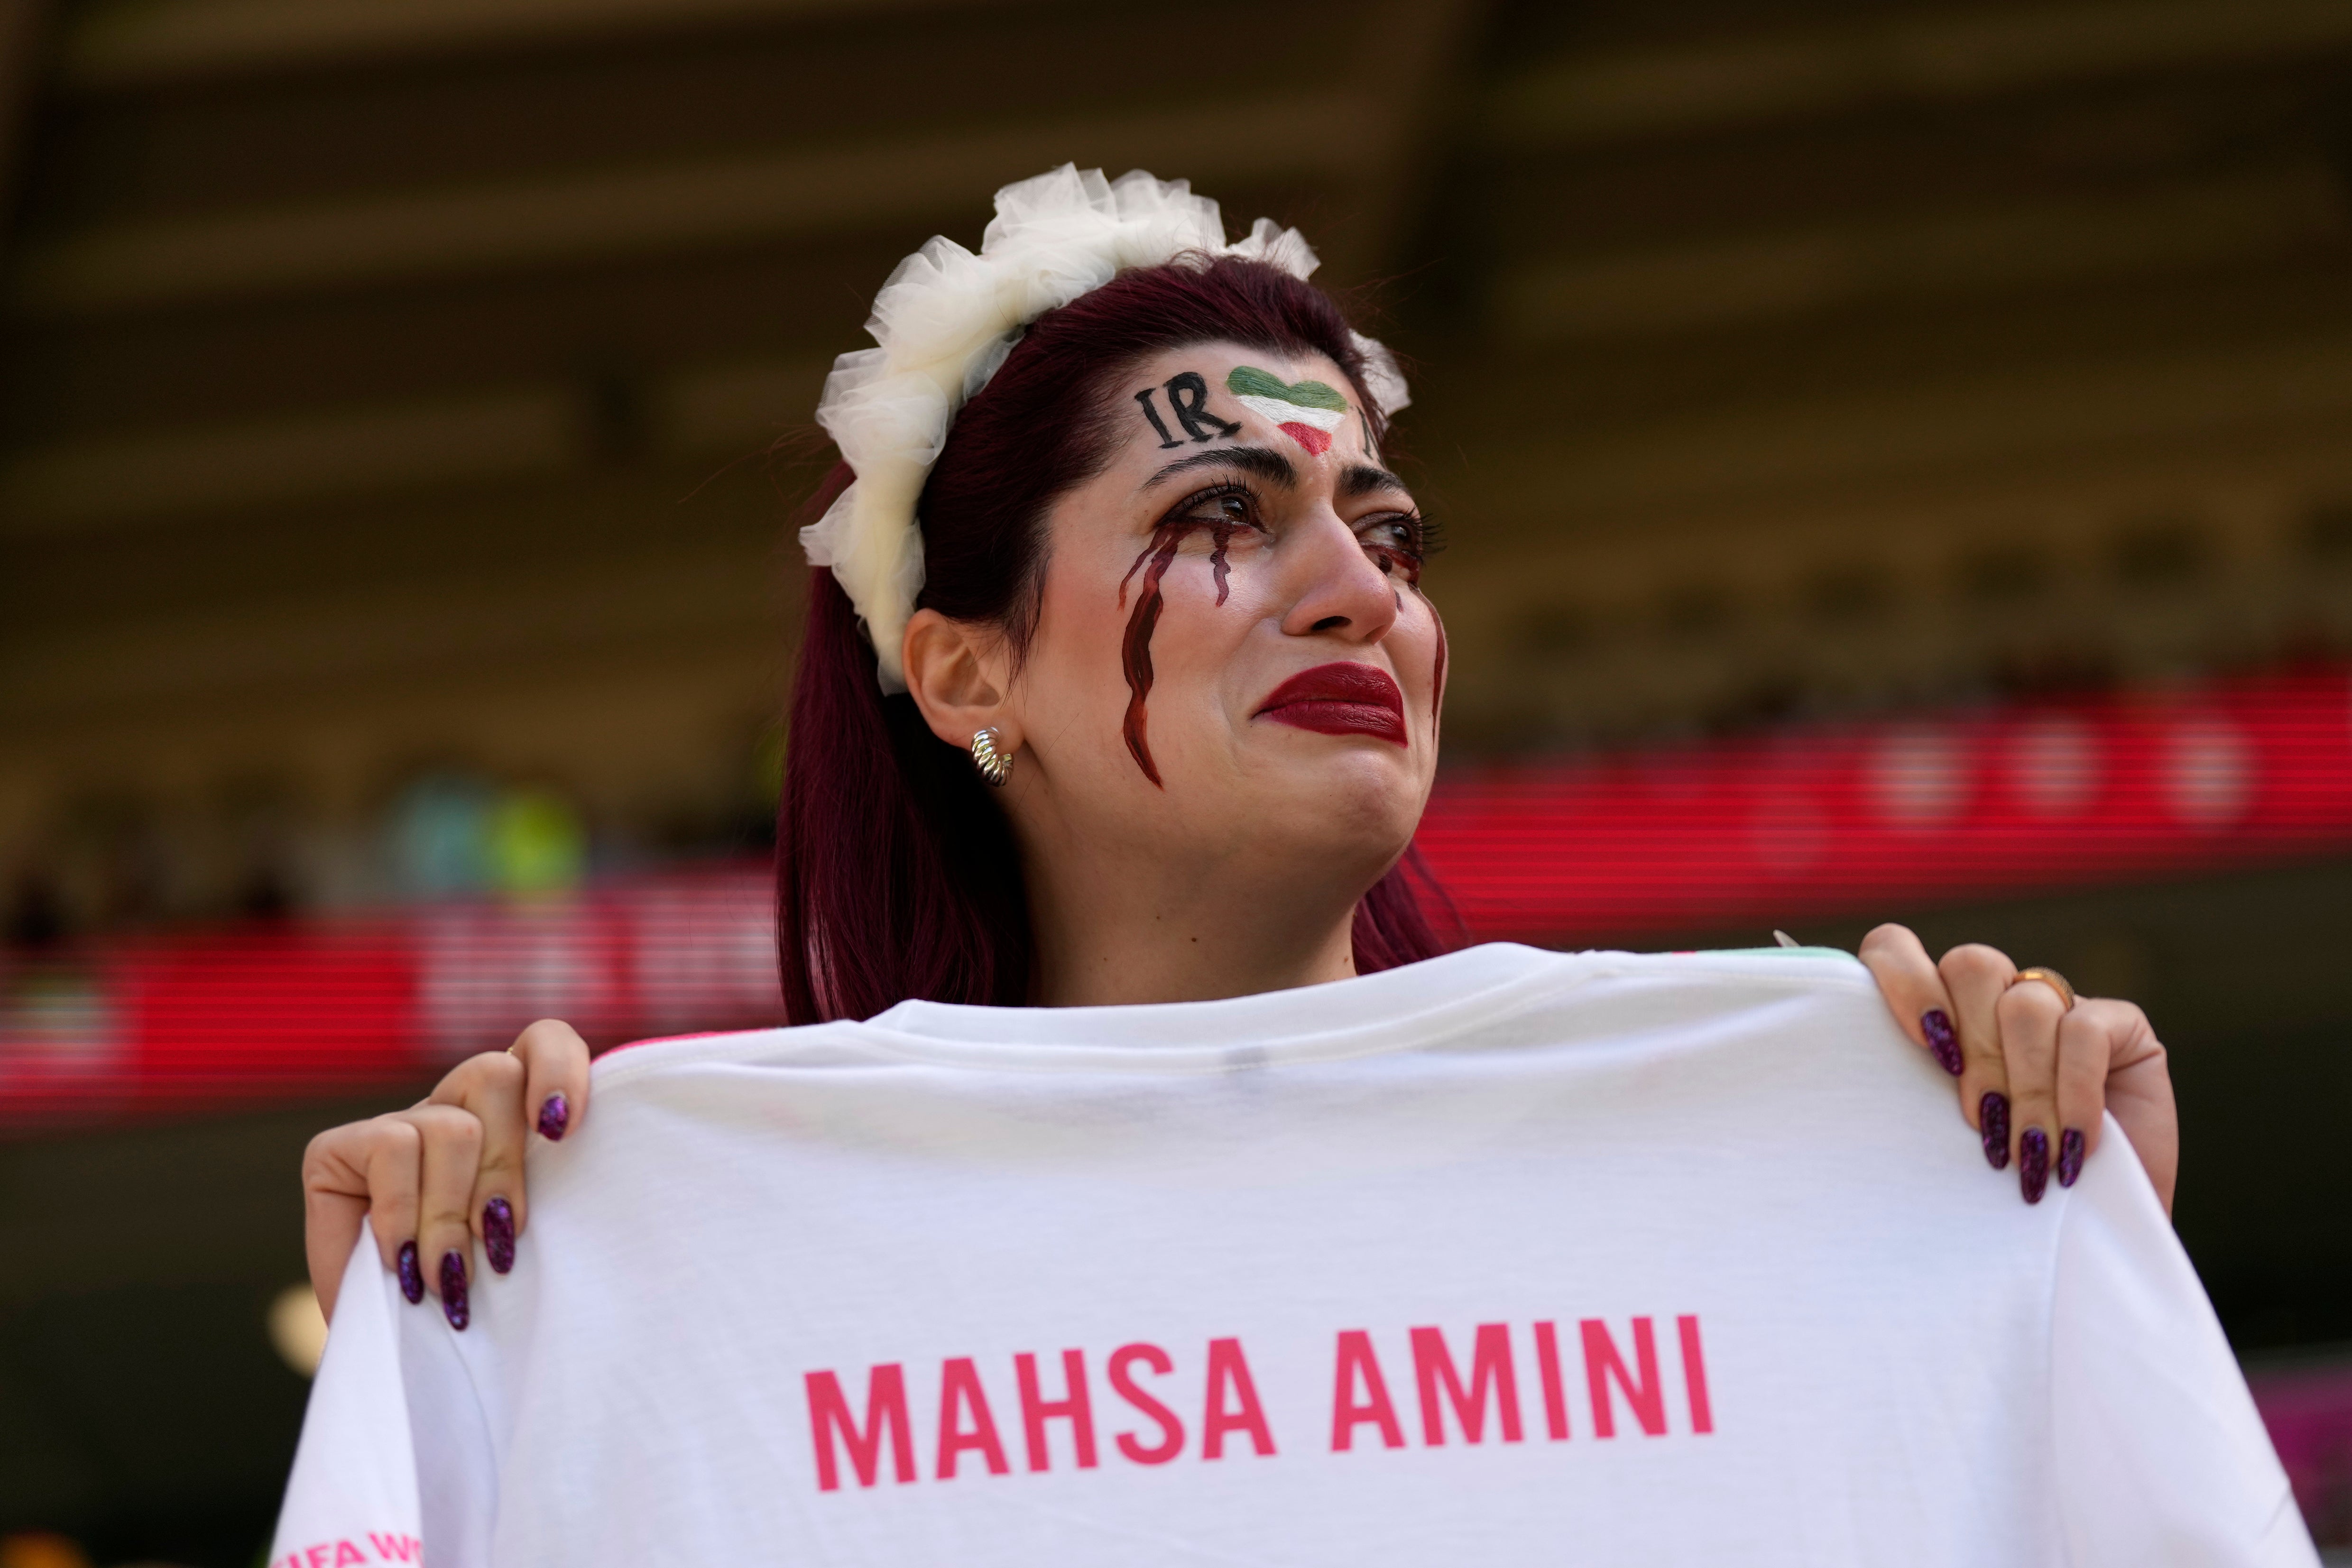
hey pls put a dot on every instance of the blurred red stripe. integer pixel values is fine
(1816, 821)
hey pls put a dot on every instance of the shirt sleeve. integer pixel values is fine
(2160, 1456)
(358, 1493)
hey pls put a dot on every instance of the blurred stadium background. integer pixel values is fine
(1898, 459)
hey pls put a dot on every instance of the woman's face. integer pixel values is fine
(1233, 662)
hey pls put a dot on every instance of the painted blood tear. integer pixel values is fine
(1135, 648)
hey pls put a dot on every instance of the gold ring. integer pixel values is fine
(2053, 979)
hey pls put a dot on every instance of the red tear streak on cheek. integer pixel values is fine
(1438, 697)
(1135, 649)
(1218, 539)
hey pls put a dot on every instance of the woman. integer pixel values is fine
(1166, 595)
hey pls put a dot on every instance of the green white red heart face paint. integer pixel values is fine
(1306, 411)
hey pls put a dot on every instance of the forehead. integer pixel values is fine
(1235, 369)
(1217, 391)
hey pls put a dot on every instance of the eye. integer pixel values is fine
(1230, 506)
(1394, 541)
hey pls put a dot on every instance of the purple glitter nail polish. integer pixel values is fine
(453, 1290)
(1992, 1120)
(2033, 1164)
(555, 1116)
(1942, 1043)
(497, 1234)
(411, 1278)
(2070, 1156)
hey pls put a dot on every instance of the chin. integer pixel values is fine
(1362, 796)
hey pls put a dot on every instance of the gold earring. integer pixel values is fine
(995, 766)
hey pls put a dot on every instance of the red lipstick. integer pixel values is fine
(1339, 700)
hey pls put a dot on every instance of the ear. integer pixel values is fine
(959, 675)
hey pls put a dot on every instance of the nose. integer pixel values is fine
(1338, 588)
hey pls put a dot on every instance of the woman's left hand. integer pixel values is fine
(2034, 1075)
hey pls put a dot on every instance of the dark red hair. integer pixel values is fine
(895, 874)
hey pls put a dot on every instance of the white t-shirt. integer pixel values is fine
(1504, 1258)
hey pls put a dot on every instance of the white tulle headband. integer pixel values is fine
(944, 322)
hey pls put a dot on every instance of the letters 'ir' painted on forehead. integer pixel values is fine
(1306, 411)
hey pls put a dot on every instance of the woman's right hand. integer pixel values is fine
(444, 1172)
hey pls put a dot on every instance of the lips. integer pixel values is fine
(1339, 700)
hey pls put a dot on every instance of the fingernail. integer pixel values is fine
(2034, 1164)
(1992, 1121)
(2070, 1156)
(411, 1278)
(555, 1116)
(497, 1234)
(1942, 1043)
(453, 1290)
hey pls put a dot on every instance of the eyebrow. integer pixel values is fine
(1363, 480)
(1268, 465)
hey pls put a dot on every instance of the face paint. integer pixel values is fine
(1188, 394)
(1437, 681)
(1135, 648)
(1166, 440)
(1308, 411)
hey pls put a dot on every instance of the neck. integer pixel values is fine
(1108, 937)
